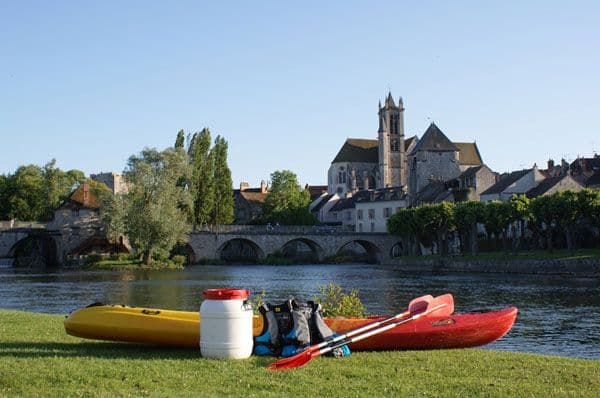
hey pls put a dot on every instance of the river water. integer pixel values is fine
(557, 315)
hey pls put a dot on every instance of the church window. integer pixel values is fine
(394, 145)
(342, 177)
(394, 124)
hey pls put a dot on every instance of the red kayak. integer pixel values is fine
(429, 332)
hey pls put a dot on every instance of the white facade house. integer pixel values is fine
(373, 210)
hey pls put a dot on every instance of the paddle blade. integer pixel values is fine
(419, 304)
(447, 309)
(291, 362)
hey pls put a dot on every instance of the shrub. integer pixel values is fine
(179, 260)
(257, 300)
(337, 303)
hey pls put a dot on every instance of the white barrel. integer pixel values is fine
(226, 324)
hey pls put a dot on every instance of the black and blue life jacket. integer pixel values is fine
(292, 327)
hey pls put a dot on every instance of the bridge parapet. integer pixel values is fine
(6, 225)
(273, 229)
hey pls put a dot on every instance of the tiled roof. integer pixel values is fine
(471, 171)
(435, 191)
(77, 197)
(316, 190)
(505, 181)
(543, 186)
(358, 150)
(593, 180)
(468, 153)
(253, 196)
(434, 140)
(380, 195)
(322, 200)
(343, 204)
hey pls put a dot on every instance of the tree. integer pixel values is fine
(518, 213)
(180, 140)
(154, 216)
(223, 209)
(495, 219)
(544, 211)
(404, 224)
(570, 210)
(58, 184)
(27, 195)
(202, 184)
(287, 202)
(467, 215)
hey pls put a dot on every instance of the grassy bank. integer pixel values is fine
(580, 254)
(39, 359)
(126, 264)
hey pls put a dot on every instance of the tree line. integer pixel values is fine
(564, 216)
(32, 193)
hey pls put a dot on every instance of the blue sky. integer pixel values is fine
(91, 83)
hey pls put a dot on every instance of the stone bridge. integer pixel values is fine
(225, 242)
(260, 240)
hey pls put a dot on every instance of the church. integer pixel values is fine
(372, 176)
(392, 160)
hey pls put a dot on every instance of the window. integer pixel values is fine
(394, 145)
(342, 177)
(371, 214)
(359, 214)
(387, 211)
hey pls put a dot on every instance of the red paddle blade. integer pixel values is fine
(291, 362)
(420, 304)
(447, 309)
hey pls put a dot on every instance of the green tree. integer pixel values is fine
(287, 202)
(518, 214)
(495, 220)
(180, 140)
(544, 210)
(570, 210)
(404, 224)
(202, 184)
(27, 195)
(58, 185)
(467, 215)
(154, 208)
(223, 205)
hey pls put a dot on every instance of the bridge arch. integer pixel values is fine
(296, 249)
(370, 252)
(34, 250)
(397, 249)
(240, 249)
(186, 250)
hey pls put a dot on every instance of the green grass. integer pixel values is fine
(562, 254)
(126, 264)
(37, 358)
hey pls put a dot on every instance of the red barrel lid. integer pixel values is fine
(226, 294)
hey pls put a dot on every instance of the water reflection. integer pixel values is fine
(557, 315)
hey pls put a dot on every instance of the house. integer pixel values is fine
(473, 181)
(248, 203)
(78, 219)
(583, 168)
(514, 183)
(374, 207)
(593, 181)
(555, 184)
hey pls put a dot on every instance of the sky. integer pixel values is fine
(285, 83)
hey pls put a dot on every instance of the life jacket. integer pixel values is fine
(292, 327)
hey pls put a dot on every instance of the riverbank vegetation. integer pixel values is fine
(39, 359)
(566, 220)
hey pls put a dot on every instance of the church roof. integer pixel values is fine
(364, 150)
(358, 150)
(468, 153)
(434, 140)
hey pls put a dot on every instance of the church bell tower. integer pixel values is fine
(393, 171)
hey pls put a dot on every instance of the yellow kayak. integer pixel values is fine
(139, 325)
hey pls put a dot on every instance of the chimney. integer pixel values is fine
(244, 185)
(86, 194)
(263, 187)
(550, 164)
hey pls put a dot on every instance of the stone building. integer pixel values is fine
(114, 181)
(393, 161)
(248, 203)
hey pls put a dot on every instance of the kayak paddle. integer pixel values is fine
(417, 307)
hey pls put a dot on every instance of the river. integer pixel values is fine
(557, 315)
